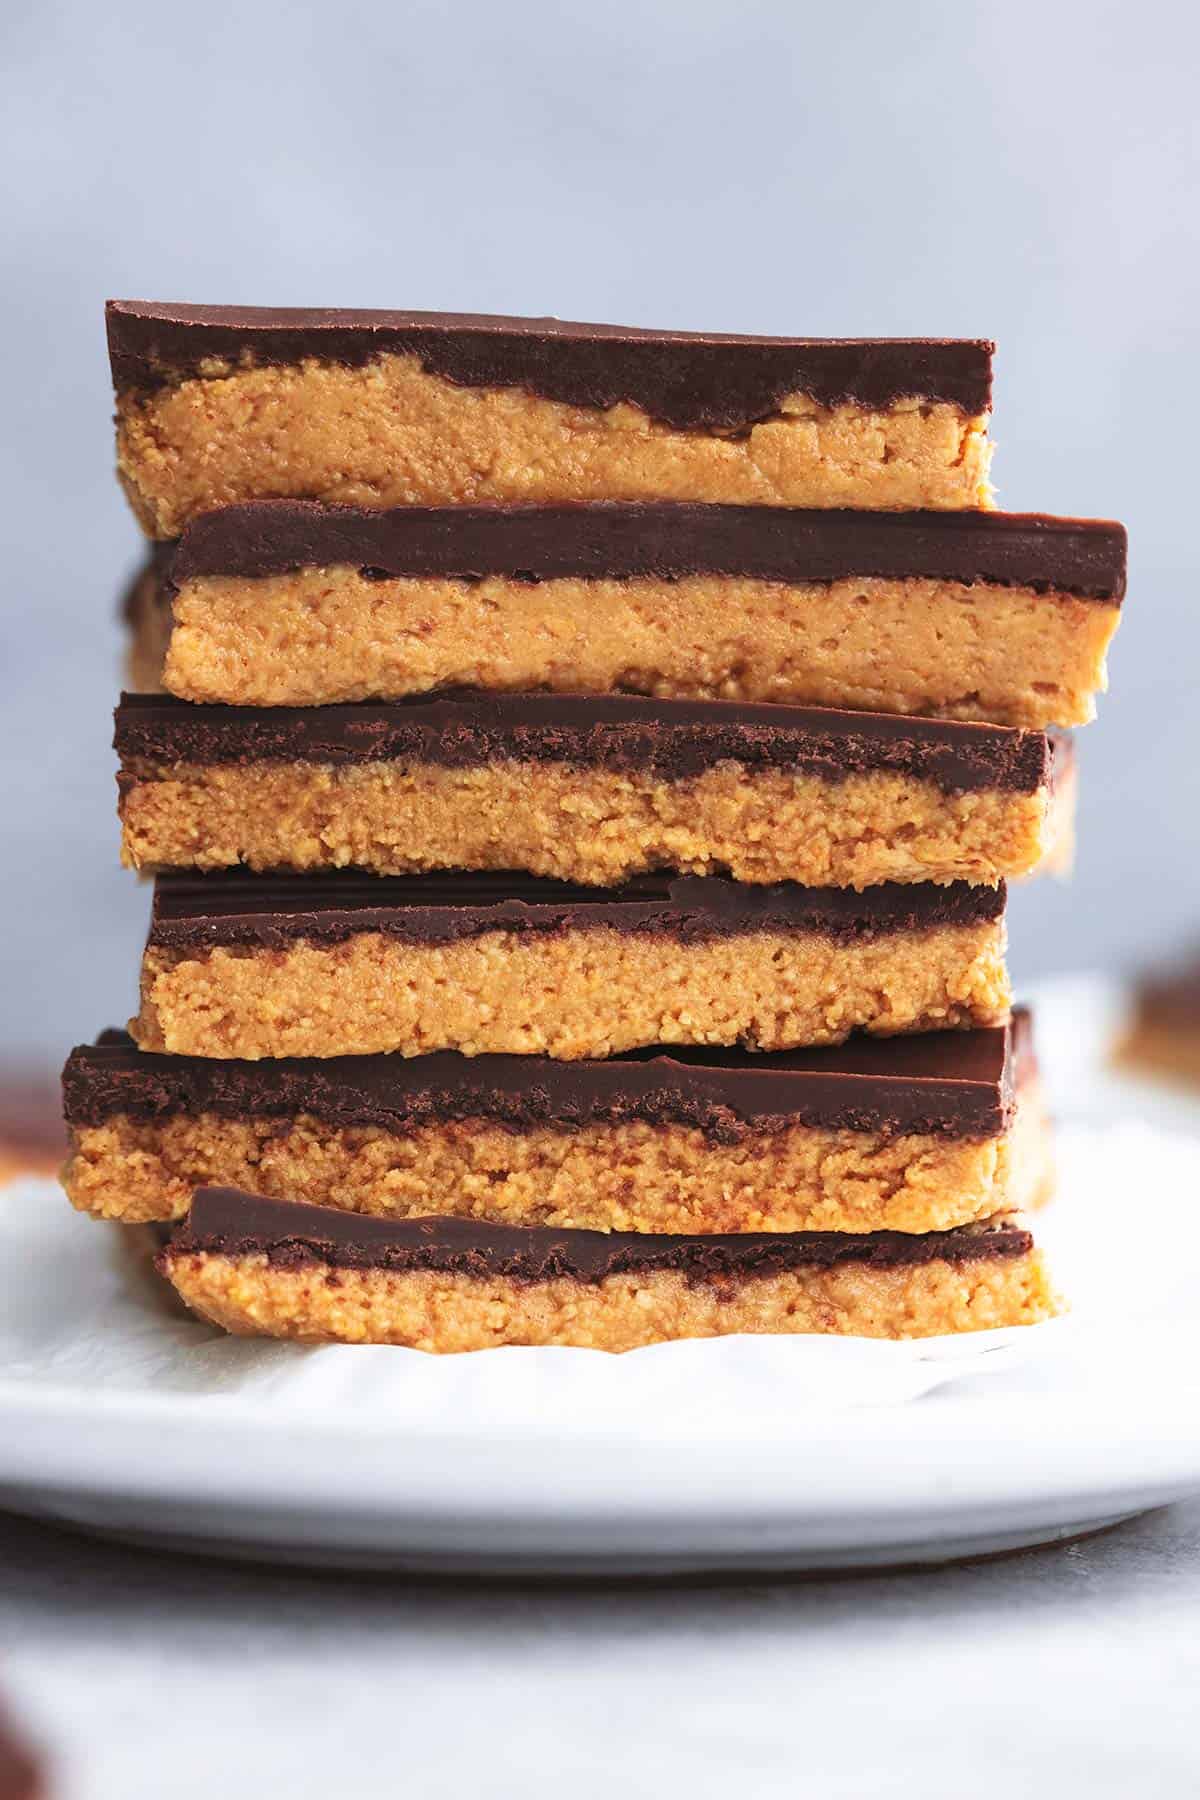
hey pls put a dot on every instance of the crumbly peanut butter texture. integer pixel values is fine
(585, 824)
(573, 994)
(627, 1176)
(448, 1313)
(390, 434)
(943, 649)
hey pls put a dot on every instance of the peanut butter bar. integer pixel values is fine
(591, 790)
(1000, 617)
(274, 1268)
(346, 965)
(922, 1133)
(220, 404)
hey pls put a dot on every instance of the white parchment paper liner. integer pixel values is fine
(1124, 1237)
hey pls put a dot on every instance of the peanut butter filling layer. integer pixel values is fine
(954, 650)
(389, 433)
(590, 993)
(627, 1176)
(590, 825)
(445, 1312)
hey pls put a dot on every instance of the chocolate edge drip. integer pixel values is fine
(626, 541)
(688, 381)
(958, 1086)
(674, 739)
(227, 1221)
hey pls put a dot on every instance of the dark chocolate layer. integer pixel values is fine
(624, 541)
(705, 381)
(227, 1222)
(670, 739)
(958, 1085)
(274, 911)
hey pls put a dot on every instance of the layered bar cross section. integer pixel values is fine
(346, 965)
(909, 1134)
(590, 789)
(281, 1269)
(997, 617)
(217, 405)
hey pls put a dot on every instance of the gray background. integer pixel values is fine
(1064, 1674)
(1026, 171)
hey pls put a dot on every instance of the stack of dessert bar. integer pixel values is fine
(581, 767)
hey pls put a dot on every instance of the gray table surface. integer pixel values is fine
(1068, 1671)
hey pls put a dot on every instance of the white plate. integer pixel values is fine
(121, 1416)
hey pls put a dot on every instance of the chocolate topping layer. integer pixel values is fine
(228, 1222)
(694, 381)
(958, 1085)
(196, 912)
(623, 541)
(671, 739)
